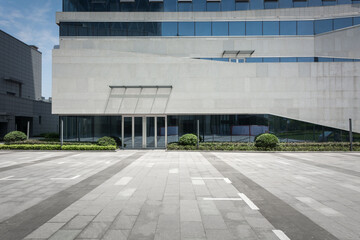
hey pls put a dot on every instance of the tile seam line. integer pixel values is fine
(38, 214)
(264, 207)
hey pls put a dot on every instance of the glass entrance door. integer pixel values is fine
(144, 132)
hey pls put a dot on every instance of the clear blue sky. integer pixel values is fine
(33, 22)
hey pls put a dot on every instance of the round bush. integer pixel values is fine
(106, 141)
(188, 139)
(117, 140)
(15, 136)
(266, 141)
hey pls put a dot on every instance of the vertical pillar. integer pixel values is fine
(28, 130)
(122, 131)
(350, 135)
(62, 132)
(166, 132)
(198, 132)
(155, 132)
(144, 132)
(133, 131)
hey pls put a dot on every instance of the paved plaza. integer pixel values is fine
(179, 195)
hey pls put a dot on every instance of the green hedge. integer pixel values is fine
(238, 146)
(30, 147)
(88, 147)
(54, 147)
(57, 142)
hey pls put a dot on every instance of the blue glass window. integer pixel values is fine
(328, 2)
(185, 7)
(220, 28)
(322, 26)
(287, 28)
(227, 5)
(285, 3)
(343, 60)
(254, 60)
(186, 29)
(271, 4)
(343, 1)
(199, 5)
(300, 3)
(305, 28)
(221, 59)
(271, 28)
(203, 29)
(236, 28)
(169, 28)
(322, 59)
(342, 23)
(313, 3)
(356, 20)
(242, 5)
(288, 59)
(213, 6)
(253, 28)
(305, 59)
(256, 4)
(271, 59)
(169, 5)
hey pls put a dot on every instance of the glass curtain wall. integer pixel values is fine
(213, 128)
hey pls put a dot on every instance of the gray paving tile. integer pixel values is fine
(95, 230)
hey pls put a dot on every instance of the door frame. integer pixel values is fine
(144, 130)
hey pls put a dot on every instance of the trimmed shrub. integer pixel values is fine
(117, 140)
(30, 147)
(266, 141)
(106, 141)
(188, 139)
(15, 136)
(89, 147)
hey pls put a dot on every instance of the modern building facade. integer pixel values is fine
(20, 89)
(148, 70)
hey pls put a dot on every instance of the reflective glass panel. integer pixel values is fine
(227, 5)
(199, 5)
(150, 132)
(169, 29)
(288, 59)
(269, 59)
(300, 4)
(342, 23)
(356, 20)
(242, 5)
(271, 28)
(213, 6)
(254, 28)
(236, 28)
(186, 29)
(287, 28)
(256, 4)
(271, 4)
(305, 28)
(170, 5)
(254, 60)
(285, 3)
(313, 3)
(305, 59)
(185, 6)
(203, 28)
(322, 26)
(220, 28)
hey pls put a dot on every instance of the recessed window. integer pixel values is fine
(40, 120)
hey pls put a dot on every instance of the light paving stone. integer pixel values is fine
(45, 231)
(214, 222)
(95, 230)
(192, 230)
(116, 235)
(65, 235)
(123, 222)
(79, 222)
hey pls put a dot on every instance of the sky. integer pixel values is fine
(33, 22)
